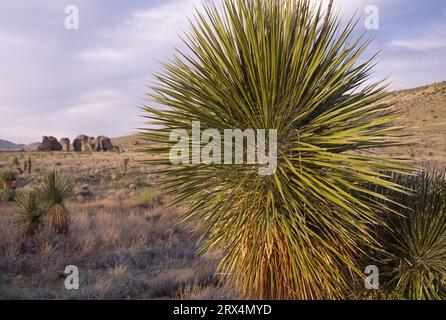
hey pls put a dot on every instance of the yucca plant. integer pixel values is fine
(8, 180)
(29, 212)
(413, 264)
(284, 65)
(54, 190)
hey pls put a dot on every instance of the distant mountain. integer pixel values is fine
(32, 146)
(5, 144)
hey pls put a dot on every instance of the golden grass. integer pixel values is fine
(124, 242)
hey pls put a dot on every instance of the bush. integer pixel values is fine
(54, 191)
(147, 199)
(413, 265)
(7, 195)
(7, 185)
(29, 212)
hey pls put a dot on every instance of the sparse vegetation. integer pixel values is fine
(306, 232)
(147, 198)
(123, 249)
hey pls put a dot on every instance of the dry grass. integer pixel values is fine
(125, 243)
(425, 119)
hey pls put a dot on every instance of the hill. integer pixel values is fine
(425, 119)
(5, 144)
(129, 143)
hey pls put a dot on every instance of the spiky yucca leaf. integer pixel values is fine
(29, 212)
(268, 64)
(414, 266)
(54, 190)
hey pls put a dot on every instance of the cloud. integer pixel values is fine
(431, 38)
(419, 44)
(60, 82)
(101, 54)
(89, 81)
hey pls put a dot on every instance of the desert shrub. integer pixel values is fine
(29, 212)
(7, 178)
(285, 66)
(7, 185)
(148, 198)
(413, 265)
(7, 195)
(140, 182)
(54, 191)
(15, 162)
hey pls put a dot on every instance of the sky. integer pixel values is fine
(91, 80)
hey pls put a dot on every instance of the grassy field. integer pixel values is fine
(125, 244)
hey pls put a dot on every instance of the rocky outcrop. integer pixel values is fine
(104, 143)
(65, 143)
(77, 143)
(49, 144)
(85, 146)
(81, 143)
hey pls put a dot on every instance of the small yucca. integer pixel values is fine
(54, 190)
(7, 185)
(414, 265)
(7, 179)
(284, 65)
(29, 212)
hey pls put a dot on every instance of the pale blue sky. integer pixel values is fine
(63, 83)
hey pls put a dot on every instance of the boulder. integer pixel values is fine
(77, 143)
(94, 144)
(85, 146)
(104, 143)
(65, 142)
(85, 143)
(49, 144)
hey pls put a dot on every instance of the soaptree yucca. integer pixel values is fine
(284, 65)
(413, 264)
(54, 191)
(29, 212)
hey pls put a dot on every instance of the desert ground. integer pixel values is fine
(123, 239)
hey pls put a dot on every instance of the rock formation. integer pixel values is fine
(104, 143)
(85, 146)
(65, 142)
(80, 143)
(77, 143)
(49, 144)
